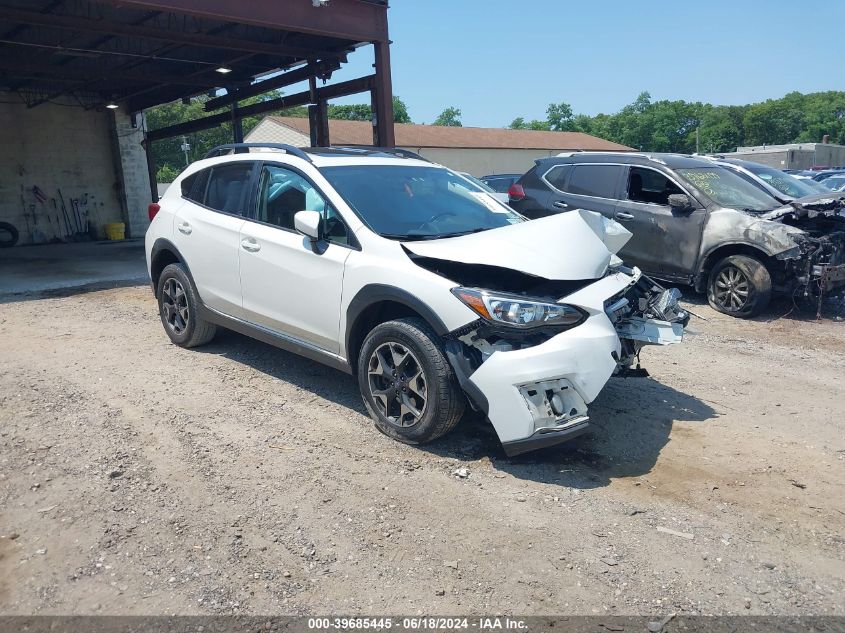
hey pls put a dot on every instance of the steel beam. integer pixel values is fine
(286, 79)
(62, 73)
(383, 133)
(342, 89)
(356, 20)
(75, 23)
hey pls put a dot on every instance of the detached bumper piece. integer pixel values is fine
(558, 412)
(547, 437)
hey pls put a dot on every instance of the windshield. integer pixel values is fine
(727, 189)
(786, 184)
(832, 183)
(415, 202)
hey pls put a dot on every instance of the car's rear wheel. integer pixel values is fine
(178, 307)
(740, 286)
(406, 381)
(8, 235)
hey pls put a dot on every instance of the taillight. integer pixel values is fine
(516, 192)
(153, 209)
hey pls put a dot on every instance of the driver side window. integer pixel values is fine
(283, 193)
(650, 187)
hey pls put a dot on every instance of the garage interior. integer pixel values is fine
(77, 75)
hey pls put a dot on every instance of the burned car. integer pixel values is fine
(697, 223)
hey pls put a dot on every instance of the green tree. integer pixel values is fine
(166, 174)
(671, 126)
(521, 124)
(364, 112)
(559, 117)
(450, 117)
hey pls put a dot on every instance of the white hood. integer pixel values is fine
(568, 246)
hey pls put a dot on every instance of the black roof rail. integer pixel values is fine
(289, 149)
(370, 149)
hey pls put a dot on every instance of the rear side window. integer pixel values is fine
(500, 185)
(193, 187)
(598, 181)
(557, 176)
(227, 187)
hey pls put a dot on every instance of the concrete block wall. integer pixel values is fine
(133, 172)
(53, 147)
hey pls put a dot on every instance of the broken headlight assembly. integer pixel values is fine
(519, 312)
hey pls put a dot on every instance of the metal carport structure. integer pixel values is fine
(135, 54)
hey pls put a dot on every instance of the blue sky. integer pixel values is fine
(500, 59)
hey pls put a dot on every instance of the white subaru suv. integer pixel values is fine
(403, 273)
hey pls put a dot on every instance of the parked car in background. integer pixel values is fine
(826, 173)
(833, 183)
(780, 185)
(697, 223)
(501, 197)
(411, 278)
(500, 182)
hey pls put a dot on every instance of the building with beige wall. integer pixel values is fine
(478, 151)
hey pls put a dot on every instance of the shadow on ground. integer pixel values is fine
(630, 421)
(781, 307)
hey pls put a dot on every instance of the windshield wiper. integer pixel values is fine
(409, 237)
(460, 233)
(414, 237)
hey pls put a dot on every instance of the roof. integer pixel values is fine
(672, 161)
(140, 53)
(342, 132)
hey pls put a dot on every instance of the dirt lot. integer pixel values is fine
(140, 478)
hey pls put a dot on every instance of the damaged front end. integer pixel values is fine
(645, 314)
(815, 265)
(557, 315)
(552, 372)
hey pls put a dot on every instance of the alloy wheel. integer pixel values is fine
(732, 289)
(174, 304)
(397, 383)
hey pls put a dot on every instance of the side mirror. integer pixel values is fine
(310, 224)
(680, 201)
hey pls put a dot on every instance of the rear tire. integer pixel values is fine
(407, 383)
(8, 235)
(739, 286)
(178, 305)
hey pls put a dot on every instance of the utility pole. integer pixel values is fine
(696, 140)
(186, 147)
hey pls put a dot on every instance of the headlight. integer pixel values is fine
(517, 311)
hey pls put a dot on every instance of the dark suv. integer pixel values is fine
(697, 223)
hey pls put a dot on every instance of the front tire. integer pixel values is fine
(739, 286)
(407, 383)
(178, 304)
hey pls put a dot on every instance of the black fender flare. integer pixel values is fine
(372, 294)
(162, 244)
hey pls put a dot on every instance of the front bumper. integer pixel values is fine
(537, 396)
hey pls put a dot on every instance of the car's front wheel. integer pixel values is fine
(740, 286)
(177, 305)
(407, 383)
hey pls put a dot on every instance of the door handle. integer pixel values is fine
(249, 244)
(561, 205)
(624, 216)
(184, 227)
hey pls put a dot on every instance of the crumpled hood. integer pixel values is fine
(574, 245)
(828, 204)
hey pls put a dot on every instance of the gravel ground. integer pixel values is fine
(140, 478)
